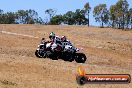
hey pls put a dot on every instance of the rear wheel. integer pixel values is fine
(40, 53)
(80, 58)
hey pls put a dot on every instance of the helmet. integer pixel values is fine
(63, 38)
(51, 35)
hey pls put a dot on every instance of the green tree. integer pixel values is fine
(101, 14)
(80, 17)
(32, 16)
(10, 17)
(113, 15)
(87, 9)
(75, 18)
(21, 16)
(130, 17)
(119, 14)
(1, 16)
(39, 20)
(27, 17)
(50, 12)
(122, 6)
(69, 18)
(56, 20)
(7, 18)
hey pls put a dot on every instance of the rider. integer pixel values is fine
(55, 39)
(65, 41)
(67, 45)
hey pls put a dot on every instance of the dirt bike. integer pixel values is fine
(56, 51)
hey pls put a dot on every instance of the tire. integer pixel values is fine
(38, 54)
(81, 80)
(80, 58)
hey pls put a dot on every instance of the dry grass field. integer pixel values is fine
(107, 51)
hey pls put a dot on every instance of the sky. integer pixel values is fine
(62, 6)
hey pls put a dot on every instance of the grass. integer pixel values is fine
(6, 82)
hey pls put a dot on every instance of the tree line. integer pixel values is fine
(118, 15)
(20, 17)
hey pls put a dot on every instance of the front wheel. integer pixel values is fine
(80, 58)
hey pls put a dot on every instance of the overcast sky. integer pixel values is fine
(62, 6)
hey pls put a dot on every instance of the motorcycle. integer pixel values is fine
(56, 51)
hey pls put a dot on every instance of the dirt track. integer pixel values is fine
(108, 51)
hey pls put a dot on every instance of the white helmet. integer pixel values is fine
(51, 35)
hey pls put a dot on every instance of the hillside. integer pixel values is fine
(107, 51)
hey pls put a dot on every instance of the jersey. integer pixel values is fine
(57, 40)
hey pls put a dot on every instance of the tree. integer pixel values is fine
(39, 20)
(50, 12)
(7, 18)
(87, 9)
(1, 16)
(75, 18)
(101, 14)
(32, 16)
(130, 17)
(119, 14)
(69, 18)
(21, 16)
(122, 6)
(10, 18)
(27, 17)
(80, 17)
(113, 15)
(56, 20)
